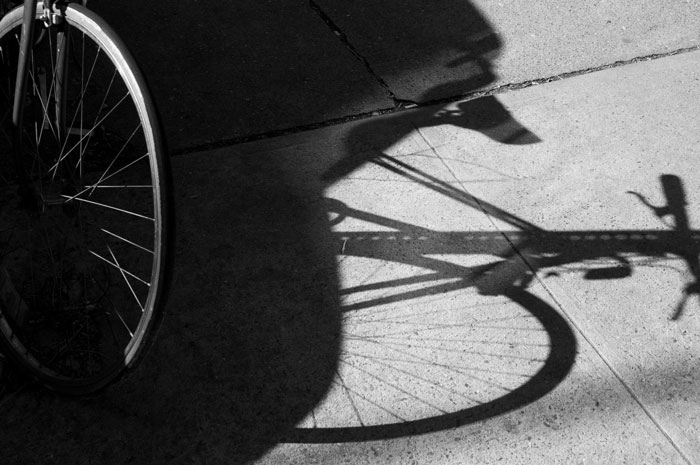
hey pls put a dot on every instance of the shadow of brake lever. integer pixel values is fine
(675, 207)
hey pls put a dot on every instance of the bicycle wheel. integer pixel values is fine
(84, 207)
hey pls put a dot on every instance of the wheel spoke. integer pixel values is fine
(111, 207)
(121, 150)
(65, 154)
(79, 202)
(93, 187)
(126, 240)
(126, 280)
(81, 102)
(116, 265)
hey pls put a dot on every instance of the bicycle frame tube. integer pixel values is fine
(51, 16)
(22, 64)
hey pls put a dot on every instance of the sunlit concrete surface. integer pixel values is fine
(437, 342)
(464, 46)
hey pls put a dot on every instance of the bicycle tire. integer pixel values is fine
(85, 240)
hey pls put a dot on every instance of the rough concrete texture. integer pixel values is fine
(229, 70)
(419, 288)
(467, 283)
(464, 46)
(614, 269)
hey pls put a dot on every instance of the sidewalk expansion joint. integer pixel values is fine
(609, 364)
(401, 105)
(557, 77)
(233, 141)
(570, 74)
(398, 103)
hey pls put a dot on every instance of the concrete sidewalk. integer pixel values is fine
(227, 71)
(425, 211)
(511, 279)
(498, 295)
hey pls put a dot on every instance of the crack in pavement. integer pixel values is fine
(398, 103)
(403, 105)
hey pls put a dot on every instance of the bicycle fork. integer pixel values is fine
(51, 93)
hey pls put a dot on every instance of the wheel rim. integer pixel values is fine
(80, 246)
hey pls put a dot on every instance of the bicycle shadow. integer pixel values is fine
(549, 249)
(522, 255)
(538, 248)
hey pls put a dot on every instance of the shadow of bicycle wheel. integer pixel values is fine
(416, 370)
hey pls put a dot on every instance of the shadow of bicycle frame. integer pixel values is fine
(530, 245)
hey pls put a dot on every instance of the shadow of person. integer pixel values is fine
(254, 324)
(249, 344)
